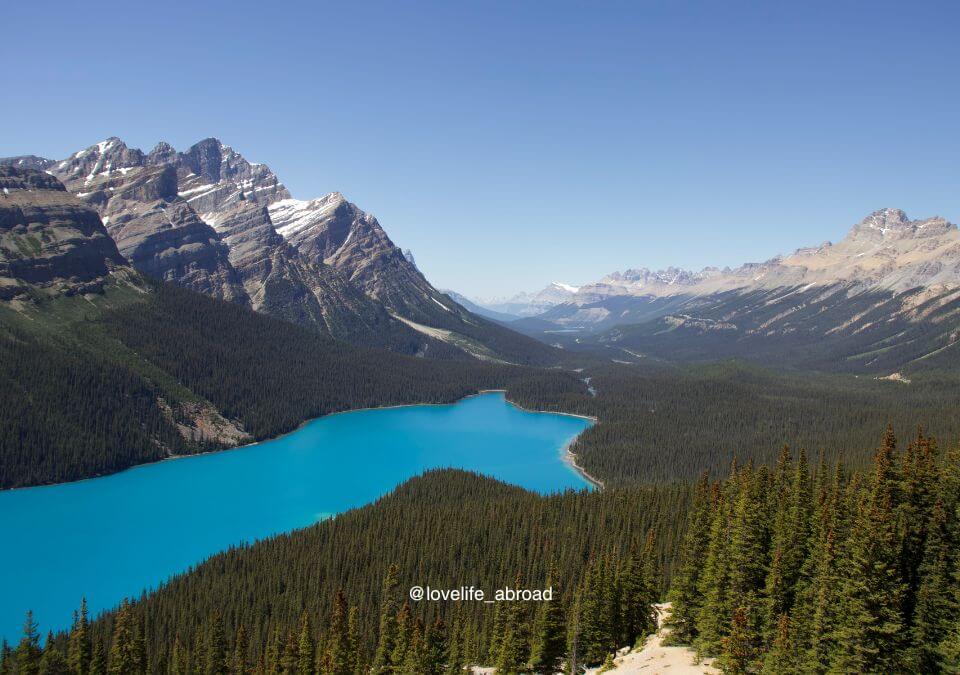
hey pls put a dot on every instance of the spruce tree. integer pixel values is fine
(548, 644)
(414, 657)
(936, 609)
(28, 651)
(512, 654)
(713, 621)
(780, 660)
(748, 552)
(354, 641)
(53, 662)
(435, 648)
(239, 660)
(290, 658)
(870, 637)
(98, 659)
(179, 658)
(404, 635)
(305, 647)
(341, 660)
(6, 659)
(684, 595)
(124, 659)
(216, 662)
(78, 646)
(387, 635)
(740, 644)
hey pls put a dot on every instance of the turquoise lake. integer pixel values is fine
(109, 538)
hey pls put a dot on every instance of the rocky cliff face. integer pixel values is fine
(155, 229)
(50, 242)
(336, 232)
(209, 220)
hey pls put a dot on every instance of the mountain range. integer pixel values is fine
(208, 220)
(887, 295)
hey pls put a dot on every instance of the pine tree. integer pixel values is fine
(919, 481)
(715, 614)
(239, 660)
(684, 594)
(290, 658)
(78, 648)
(512, 655)
(124, 659)
(748, 551)
(353, 641)
(414, 660)
(341, 659)
(435, 648)
(387, 636)
(936, 609)
(6, 659)
(53, 662)
(216, 662)
(28, 651)
(870, 637)
(404, 635)
(98, 659)
(740, 645)
(548, 644)
(179, 658)
(780, 659)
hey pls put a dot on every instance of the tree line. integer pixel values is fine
(824, 570)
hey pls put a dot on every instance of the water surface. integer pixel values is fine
(109, 538)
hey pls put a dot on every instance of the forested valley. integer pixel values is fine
(804, 566)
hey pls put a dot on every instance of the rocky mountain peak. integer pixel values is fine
(162, 153)
(50, 241)
(886, 224)
(103, 159)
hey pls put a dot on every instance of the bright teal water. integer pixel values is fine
(110, 537)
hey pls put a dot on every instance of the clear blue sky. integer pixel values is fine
(511, 144)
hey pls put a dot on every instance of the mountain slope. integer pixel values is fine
(155, 229)
(152, 205)
(886, 297)
(49, 241)
(101, 369)
(335, 232)
(205, 219)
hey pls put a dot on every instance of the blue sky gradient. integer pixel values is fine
(512, 144)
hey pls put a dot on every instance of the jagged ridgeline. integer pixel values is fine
(208, 220)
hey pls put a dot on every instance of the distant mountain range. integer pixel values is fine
(887, 295)
(528, 304)
(210, 221)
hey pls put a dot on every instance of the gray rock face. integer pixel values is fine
(27, 162)
(156, 230)
(336, 232)
(283, 283)
(213, 176)
(204, 219)
(49, 240)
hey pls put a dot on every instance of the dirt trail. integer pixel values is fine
(654, 658)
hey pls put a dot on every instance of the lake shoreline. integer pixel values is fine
(569, 457)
